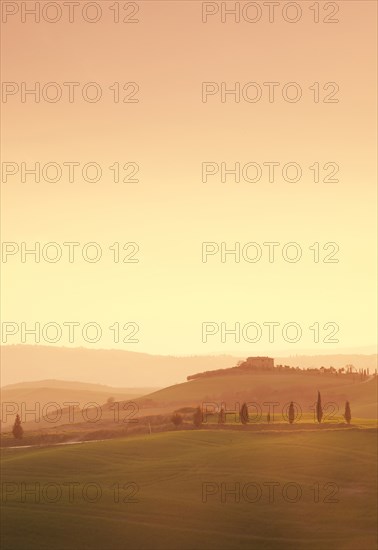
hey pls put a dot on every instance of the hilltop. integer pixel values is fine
(262, 388)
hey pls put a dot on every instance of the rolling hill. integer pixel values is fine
(201, 490)
(209, 393)
(280, 388)
(29, 395)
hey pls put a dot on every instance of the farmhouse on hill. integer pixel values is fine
(264, 363)
(250, 364)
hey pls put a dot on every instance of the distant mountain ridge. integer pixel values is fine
(127, 369)
(75, 385)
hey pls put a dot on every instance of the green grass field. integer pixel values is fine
(169, 470)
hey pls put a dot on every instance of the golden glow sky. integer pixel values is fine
(170, 211)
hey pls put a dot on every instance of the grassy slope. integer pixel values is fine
(258, 388)
(29, 398)
(279, 387)
(170, 469)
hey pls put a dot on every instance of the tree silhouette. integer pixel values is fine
(17, 428)
(347, 413)
(222, 416)
(291, 412)
(197, 417)
(176, 419)
(244, 414)
(319, 410)
(110, 401)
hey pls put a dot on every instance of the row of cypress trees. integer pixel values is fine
(197, 416)
(244, 417)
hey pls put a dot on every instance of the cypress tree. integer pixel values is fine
(197, 417)
(291, 413)
(244, 417)
(319, 410)
(17, 428)
(347, 413)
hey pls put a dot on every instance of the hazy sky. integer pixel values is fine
(170, 211)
